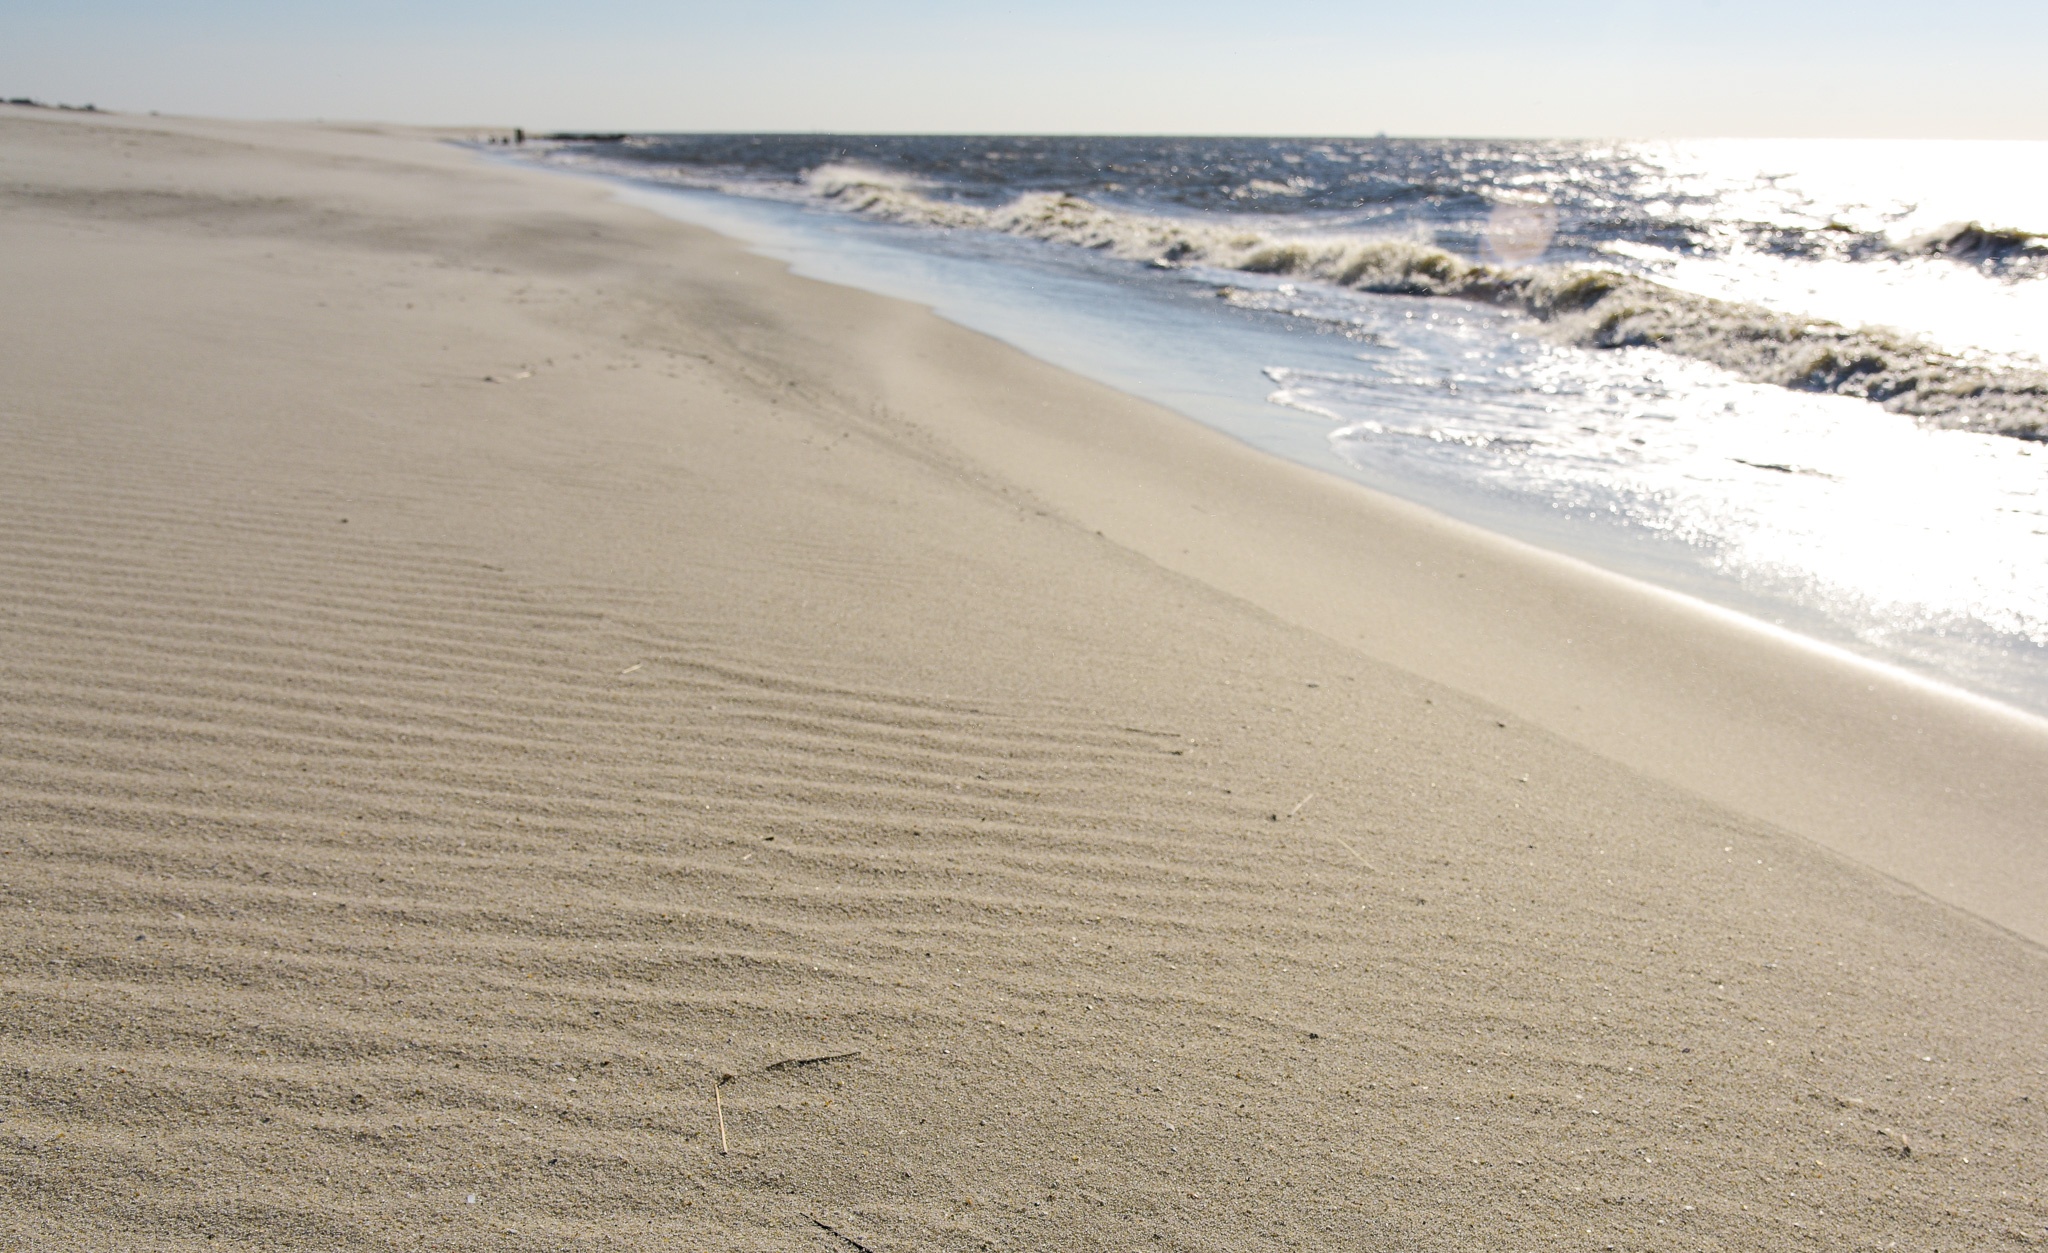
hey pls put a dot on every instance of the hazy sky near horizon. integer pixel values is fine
(1885, 68)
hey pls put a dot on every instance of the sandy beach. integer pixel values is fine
(525, 726)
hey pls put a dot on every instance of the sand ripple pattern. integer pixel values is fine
(376, 861)
(344, 884)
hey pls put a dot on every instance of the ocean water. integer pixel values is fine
(1803, 380)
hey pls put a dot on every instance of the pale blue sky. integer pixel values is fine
(1971, 68)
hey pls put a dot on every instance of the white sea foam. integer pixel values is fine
(1589, 306)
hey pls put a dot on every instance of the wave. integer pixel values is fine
(1604, 309)
(2000, 250)
(1584, 306)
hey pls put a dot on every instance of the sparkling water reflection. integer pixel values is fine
(1909, 540)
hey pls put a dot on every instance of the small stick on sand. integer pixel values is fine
(1298, 804)
(793, 1062)
(1351, 849)
(842, 1235)
(723, 1145)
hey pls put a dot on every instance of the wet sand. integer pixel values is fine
(493, 684)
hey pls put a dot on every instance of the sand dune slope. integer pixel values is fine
(505, 744)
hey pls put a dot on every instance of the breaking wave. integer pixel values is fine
(2000, 251)
(1585, 302)
(1586, 306)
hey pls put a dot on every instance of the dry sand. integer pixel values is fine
(480, 665)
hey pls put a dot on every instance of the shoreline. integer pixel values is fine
(1048, 316)
(530, 724)
(1989, 861)
(1957, 386)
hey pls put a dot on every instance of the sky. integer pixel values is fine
(1592, 68)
